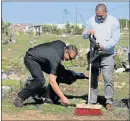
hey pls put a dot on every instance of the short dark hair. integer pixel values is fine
(101, 6)
(72, 48)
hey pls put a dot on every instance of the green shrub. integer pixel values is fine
(118, 61)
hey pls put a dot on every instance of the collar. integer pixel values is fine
(97, 20)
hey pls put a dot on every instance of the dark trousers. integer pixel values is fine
(64, 76)
(36, 72)
(51, 94)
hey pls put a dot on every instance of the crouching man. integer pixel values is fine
(46, 94)
(46, 58)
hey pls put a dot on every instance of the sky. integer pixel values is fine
(53, 12)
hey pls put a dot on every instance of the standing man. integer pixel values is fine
(45, 57)
(106, 29)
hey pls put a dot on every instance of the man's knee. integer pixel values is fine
(41, 83)
(108, 74)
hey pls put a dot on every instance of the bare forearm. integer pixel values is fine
(56, 88)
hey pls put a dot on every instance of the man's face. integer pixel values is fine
(69, 55)
(101, 15)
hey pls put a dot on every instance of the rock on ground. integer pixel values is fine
(120, 70)
(4, 76)
(6, 90)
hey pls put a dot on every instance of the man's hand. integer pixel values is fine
(101, 47)
(65, 101)
(86, 76)
(90, 31)
(57, 90)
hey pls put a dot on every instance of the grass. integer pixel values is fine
(124, 40)
(13, 59)
(12, 53)
(56, 109)
(13, 83)
(75, 92)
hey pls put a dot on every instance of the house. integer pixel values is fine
(20, 27)
(62, 26)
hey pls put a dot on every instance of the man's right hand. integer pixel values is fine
(90, 31)
(65, 101)
(57, 90)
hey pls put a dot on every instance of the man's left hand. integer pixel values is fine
(101, 47)
(86, 75)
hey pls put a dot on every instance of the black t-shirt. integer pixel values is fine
(48, 55)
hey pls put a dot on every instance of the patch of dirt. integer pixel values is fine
(28, 115)
(36, 115)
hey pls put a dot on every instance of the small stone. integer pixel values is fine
(14, 77)
(120, 87)
(4, 76)
(115, 84)
(9, 49)
(123, 83)
(13, 41)
(120, 70)
(127, 66)
(6, 90)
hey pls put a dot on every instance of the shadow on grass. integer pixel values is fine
(101, 99)
(33, 103)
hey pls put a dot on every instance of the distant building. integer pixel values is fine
(35, 28)
(21, 27)
(62, 26)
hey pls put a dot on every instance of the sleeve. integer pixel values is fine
(53, 67)
(84, 34)
(115, 36)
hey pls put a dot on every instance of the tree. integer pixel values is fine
(58, 31)
(5, 26)
(68, 28)
(53, 29)
(65, 16)
(123, 23)
(75, 28)
(46, 28)
(2, 26)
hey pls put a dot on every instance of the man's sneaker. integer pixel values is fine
(18, 102)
